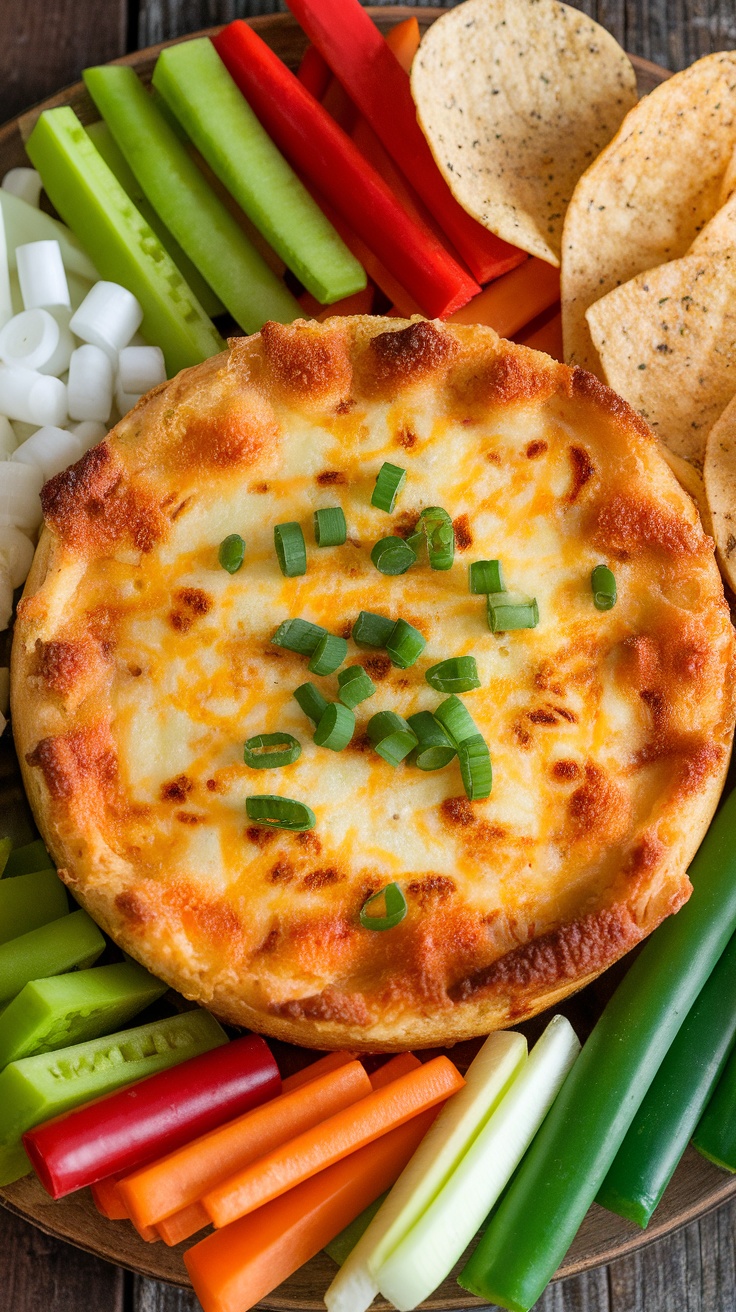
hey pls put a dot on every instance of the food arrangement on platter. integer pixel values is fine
(373, 678)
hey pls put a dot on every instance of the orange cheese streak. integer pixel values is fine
(324, 1144)
(514, 299)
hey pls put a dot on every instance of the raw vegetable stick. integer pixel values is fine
(30, 901)
(535, 1223)
(183, 1177)
(124, 248)
(715, 1136)
(197, 87)
(547, 337)
(324, 1144)
(394, 1069)
(515, 299)
(234, 1268)
(377, 272)
(331, 1061)
(6, 847)
(313, 72)
(256, 238)
(337, 103)
(360, 303)
(340, 1248)
(175, 188)
(64, 944)
(27, 860)
(332, 164)
(403, 41)
(107, 1200)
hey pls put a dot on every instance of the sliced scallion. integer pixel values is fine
(405, 644)
(330, 529)
(371, 630)
(603, 584)
(329, 654)
(300, 636)
(262, 752)
(485, 576)
(457, 674)
(416, 541)
(393, 555)
(440, 534)
(391, 479)
(385, 909)
(391, 736)
(279, 812)
(231, 553)
(475, 767)
(434, 749)
(336, 727)
(456, 719)
(511, 610)
(311, 701)
(355, 686)
(291, 550)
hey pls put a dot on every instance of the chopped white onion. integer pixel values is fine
(6, 299)
(90, 383)
(6, 600)
(41, 275)
(20, 504)
(4, 690)
(8, 439)
(125, 400)
(16, 553)
(50, 450)
(139, 369)
(89, 432)
(31, 397)
(36, 339)
(108, 317)
(22, 431)
(25, 183)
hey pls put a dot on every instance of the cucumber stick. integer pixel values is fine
(433, 1245)
(340, 1248)
(487, 1080)
(197, 87)
(185, 202)
(30, 901)
(124, 248)
(6, 847)
(33, 856)
(68, 943)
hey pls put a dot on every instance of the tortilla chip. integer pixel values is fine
(720, 489)
(719, 233)
(650, 192)
(516, 98)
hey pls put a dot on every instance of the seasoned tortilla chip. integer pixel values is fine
(720, 489)
(667, 342)
(650, 192)
(516, 98)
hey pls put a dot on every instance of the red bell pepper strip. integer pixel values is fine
(155, 1116)
(326, 156)
(356, 52)
(314, 73)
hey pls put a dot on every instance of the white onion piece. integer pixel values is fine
(36, 339)
(4, 690)
(50, 450)
(6, 299)
(8, 439)
(16, 553)
(41, 275)
(6, 600)
(31, 397)
(140, 368)
(22, 431)
(89, 432)
(125, 400)
(89, 391)
(108, 317)
(25, 183)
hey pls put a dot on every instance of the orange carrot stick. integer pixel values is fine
(548, 337)
(107, 1200)
(393, 1069)
(322, 1145)
(331, 1061)
(183, 1224)
(235, 1268)
(514, 299)
(403, 39)
(359, 303)
(182, 1177)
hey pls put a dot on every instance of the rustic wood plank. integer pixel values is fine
(693, 1270)
(40, 1274)
(151, 1296)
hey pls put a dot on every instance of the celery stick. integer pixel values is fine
(104, 142)
(439, 1238)
(37, 1088)
(52, 1013)
(30, 901)
(186, 203)
(122, 245)
(198, 88)
(340, 1248)
(488, 1079)
(6, 847)
(24, 223)
(52, 949)
(26, 860)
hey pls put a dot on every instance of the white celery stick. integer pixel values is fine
(487, 1080)
(439, 1238)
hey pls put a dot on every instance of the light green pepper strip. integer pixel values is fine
(30, 901)
(26, 860)
(65, 944)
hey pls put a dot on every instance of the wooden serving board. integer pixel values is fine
(697, 1187)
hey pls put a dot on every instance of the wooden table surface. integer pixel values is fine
(44, 44)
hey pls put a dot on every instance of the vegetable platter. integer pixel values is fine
(697, 1185)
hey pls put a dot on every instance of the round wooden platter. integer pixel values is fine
(697, 1186)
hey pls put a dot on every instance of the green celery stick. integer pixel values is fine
(104, 142)
(52, 1013)
(26, 860)
(343, 1244)
(194, 82)
(30, 901)
(52, 949)
(186, 203)
(90, 199)
(37, 1088)
(6, 847)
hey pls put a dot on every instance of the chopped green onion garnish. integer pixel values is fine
(371, 630)
(511, 610)
(435, 749)
(261, 752)
(485, 576)
(393, 556)
(300, 636)
(231, 553)
(336, 727)
(416, 541)
(311, 701)
(291, 550)
(475, 767)
(603, 583)
(405, 644)
(330, 529)
(385, 909)
(279, 812)
(440, 536)
(391, 736)
(355, 685)
(329, 654)
(391, 479)
(456, 719)
(457, 674)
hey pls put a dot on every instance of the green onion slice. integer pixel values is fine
(262, 752)
(355, 686)
(393, 556)
(485, 576)
(457, 674)
(291, 549)
(336, 727)
(405, 644)
(511, 610)
(440, 537)
(391, 736)
(330, 529)
(231, 553)
(279, 812)
(391, 479)
(300, 636)
(385, 909)
(416, 541)
(434, 750)
(311, 701)
(475, 767)
(371, 630)
(603, 583)
(456, 720)
(329, 654)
